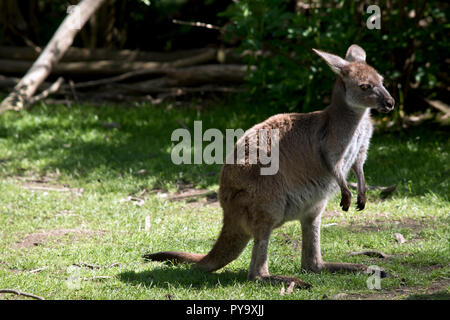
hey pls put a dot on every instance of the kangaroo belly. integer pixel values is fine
(301, 199)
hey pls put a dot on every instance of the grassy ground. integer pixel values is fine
(65, 179)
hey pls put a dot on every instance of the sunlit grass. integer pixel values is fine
(69, 147)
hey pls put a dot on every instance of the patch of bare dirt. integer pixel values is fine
(42, 237)
(438, 289)
(331, 214)
(428, 268)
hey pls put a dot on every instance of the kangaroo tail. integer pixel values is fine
(175, 257)
(231, 242)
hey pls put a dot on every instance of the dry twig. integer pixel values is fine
(94, 266)
(44, 94)
(20, 293)
(371, 253)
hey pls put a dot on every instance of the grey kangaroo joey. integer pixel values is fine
(316, 152)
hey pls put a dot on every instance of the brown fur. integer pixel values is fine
(316, 151)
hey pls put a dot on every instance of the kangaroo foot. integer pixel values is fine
(285, 280)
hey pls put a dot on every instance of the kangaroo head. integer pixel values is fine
(363, 85)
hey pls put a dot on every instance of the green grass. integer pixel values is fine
(56, 146)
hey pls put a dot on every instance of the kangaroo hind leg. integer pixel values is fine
(259, 269)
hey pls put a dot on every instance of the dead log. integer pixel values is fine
(18, 53)
(110, 67)
(439, 105)
(371, 253)
(102, 67)
(83, 54)
(21, 293)
(152, 68)
(58, 45)
(44, 94)
(11, 82)
(192, 76)
(8, 82)
(216, 73)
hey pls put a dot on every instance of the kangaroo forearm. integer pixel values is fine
(359, 173)
(346, 195)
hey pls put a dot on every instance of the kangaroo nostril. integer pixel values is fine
(389, 103)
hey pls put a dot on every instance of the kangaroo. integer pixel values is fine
(316, 152)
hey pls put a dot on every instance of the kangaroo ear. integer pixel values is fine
(355, 53)
(336, 63)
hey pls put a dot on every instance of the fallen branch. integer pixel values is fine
(191, 76)
(20, 293)
(416, 120)
(371, 253)
(94, 278)
(94, 266)
(439, 105)
(41, 188)
(44, 94)
(196, 194)
(85, 54)
(112, 67)
(38, 269)
(214, 73)
(197, 24)
(150, 68)
(8, 82)
(385, 191)
(105, 67)
(11, 82)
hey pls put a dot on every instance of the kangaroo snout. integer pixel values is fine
(385, 101)
(387, 105)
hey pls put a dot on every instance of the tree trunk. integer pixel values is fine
(55, 49)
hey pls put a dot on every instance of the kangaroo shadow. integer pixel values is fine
(187, 277)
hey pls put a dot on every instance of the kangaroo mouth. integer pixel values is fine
(384, 109)
(385, 105)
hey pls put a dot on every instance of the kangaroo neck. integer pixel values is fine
(342, 121)
(344, 118)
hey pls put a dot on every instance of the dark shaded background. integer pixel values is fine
(410, 50)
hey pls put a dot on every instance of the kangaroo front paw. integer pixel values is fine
(346, 199)
(361, 202)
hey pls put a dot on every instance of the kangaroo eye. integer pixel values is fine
(365, 86)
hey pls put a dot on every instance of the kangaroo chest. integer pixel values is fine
(305, 196)
(358, 146)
